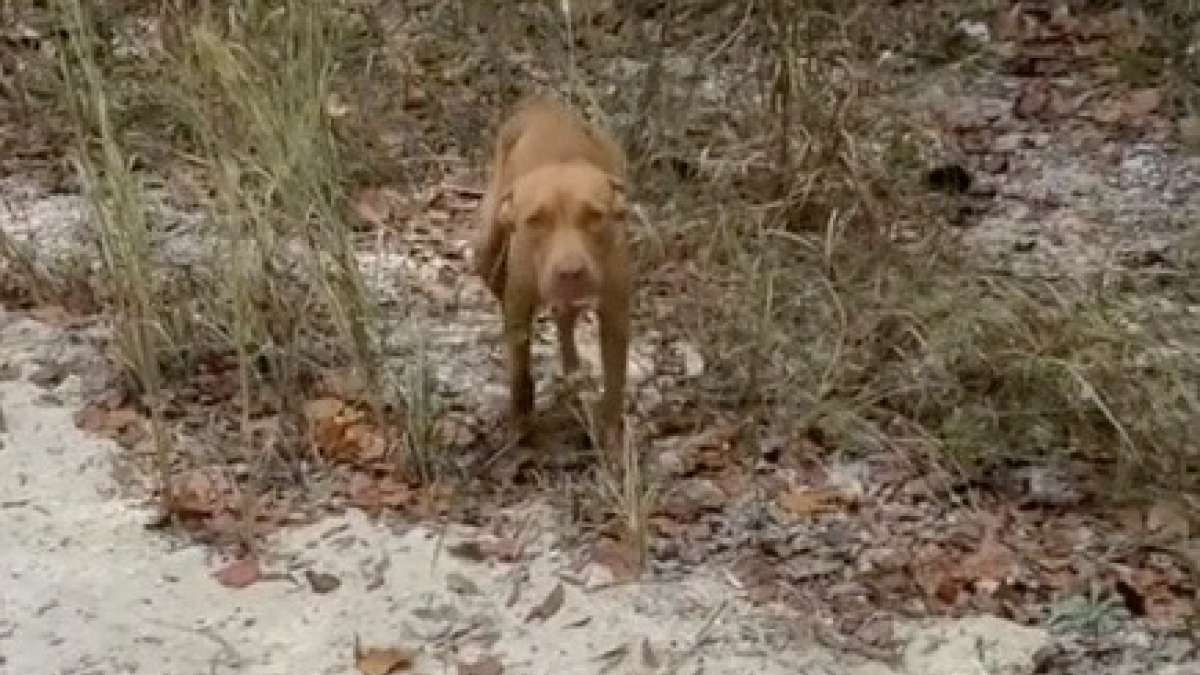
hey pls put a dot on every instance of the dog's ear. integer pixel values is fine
(505, 216)
(620, 203)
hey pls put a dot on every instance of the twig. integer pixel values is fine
(702, 635)
(235, 660)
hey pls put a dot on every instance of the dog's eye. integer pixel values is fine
(536, 220)
(591, 217)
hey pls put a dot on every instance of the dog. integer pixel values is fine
(552, 233)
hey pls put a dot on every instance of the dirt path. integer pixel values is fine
(86, 588)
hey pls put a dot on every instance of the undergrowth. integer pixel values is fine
(787, 232)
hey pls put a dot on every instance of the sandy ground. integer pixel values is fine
(85, 588)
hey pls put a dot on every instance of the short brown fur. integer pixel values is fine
(552, 232)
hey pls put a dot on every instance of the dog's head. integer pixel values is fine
(567, 219)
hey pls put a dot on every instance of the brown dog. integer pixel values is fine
(552, 233)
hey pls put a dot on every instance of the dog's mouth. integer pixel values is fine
(576, 304)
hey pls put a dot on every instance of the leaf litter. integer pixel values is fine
(383, 660)
(821, 540)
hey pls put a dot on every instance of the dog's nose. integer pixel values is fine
(573, 275)
(571, 282)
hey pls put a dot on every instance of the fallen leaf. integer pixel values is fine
(460, 584)
(618, 558)
(384, 492)
(54, 315)
(1034, 99)
(649, 658)
(804, 503)
(578, 623)
(550, 605)
(200, 492)
(1171, 520)
(322, 409)
(110, 423)
(322, 583)
(694, 497)
(504, 549)
(612, 657)
(514, 593)
(456, 430)
(1142, 103)
(383, 660)
(990, 566)
(49, 375)
(239, 573)
(1151, 594)
(364, 443)
(376, 206)
(486, 665)
(341, 384)
(467, 550)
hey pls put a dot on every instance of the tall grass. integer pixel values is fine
(244, 87)
(777, 174)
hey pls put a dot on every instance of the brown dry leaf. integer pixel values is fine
(322, 409)
(339, 384)
(460, 584)
(1010, 24)
(10, 372)
(550, 605)
(377, 206)
(91, 418)
(49, 375)
(1034, 100)
(369, 492)
(1150, 593)
(321, 582)
(1170, 520)
(990, 566)
(486, 665)
(457, 430)
(504, 549)
(55, 315)
(239, 573)
(109, 423)
(804, 503)
(383, 660)
(467, 550)
(649, 658)
(618, 558)
(198, 493)
(1142, 103)
(934, 570)
(364, 442)
(328, 420)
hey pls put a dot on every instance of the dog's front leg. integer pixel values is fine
(614, 360)
(519, 305)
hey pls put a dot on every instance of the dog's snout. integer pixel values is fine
(570, 281)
